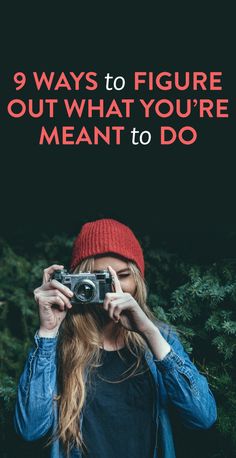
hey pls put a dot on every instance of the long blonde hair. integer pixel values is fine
(79, 353)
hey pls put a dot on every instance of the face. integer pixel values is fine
(122, 270)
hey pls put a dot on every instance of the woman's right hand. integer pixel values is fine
(53, 300)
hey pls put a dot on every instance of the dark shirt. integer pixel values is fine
(118, 417)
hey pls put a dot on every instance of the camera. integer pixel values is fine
(88, 287)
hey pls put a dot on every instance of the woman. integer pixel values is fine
(102, 378)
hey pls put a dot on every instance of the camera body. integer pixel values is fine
(88, 287)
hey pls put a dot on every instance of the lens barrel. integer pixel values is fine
(85, 291)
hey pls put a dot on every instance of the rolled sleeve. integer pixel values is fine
(188, 391)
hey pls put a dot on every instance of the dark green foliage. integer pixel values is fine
(199, 300)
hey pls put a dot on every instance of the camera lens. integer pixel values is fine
(85, 291)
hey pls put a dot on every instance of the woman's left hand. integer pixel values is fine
(123, 308)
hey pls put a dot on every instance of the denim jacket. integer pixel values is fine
(176, 379)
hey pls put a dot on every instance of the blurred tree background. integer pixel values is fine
(198, 298)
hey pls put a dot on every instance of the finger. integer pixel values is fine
(110, 310)
(57, 285)
(49, 271)
(112, 296)
(120, 305)
(124, 303)
(48, 294)
(55, 300)
(114, 312)
(115, 279)
(117, 312)
(121, 301)
(108, 298)
(106, 303)
(58, 301)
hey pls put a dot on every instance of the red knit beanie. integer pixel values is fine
(107, 236)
